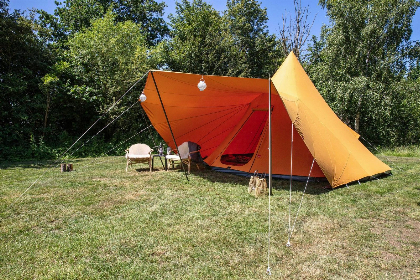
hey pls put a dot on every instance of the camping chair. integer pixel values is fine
(188, 151)
(139, 153)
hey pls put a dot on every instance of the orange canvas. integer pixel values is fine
(336, 148)
(229, 120)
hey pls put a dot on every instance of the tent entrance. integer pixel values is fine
(241, 149)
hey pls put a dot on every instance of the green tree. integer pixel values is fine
(414, 55)
(75, 15)
(236, 43)
(259, 55)
(360, 59)
(4, 4)
(66, 114)
(106, 59)
(199, 40)
(24, 60)
(371, 35)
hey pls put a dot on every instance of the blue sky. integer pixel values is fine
(275, 10)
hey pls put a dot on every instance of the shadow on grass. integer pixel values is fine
(140, 170)
(315, 186)
(36, 164)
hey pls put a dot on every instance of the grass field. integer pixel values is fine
(100, 222)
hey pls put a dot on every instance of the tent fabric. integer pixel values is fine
(229, 120)
(281, 143)
(335, 147)
(213, 117)
(203, 117)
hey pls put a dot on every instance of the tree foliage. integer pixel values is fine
(372, 35)
(106, 59)
(259, 55)
(60, 72)
(236, 43)
(199, 40)
(76, 15)
(23, 61)
(360, 63)
(295, 32)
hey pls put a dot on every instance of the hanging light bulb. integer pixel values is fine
(142, 97)
(202, 84)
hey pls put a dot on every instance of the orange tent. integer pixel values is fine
(229, 120)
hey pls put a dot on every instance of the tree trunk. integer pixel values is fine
(357, 123)
(46, 113)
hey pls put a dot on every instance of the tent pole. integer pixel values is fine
(290, 189)
(269, 136)
(269, 174)
(169, 125)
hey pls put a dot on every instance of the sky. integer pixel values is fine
(275, 10)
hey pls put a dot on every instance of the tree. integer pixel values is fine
(258, 52)
(235, 44)
(293, 35)
(24, 59)
(359, 60)
(4, 4)
(414, 68)
(106, 59)
(370, 34)
(76, 15)
(199, 40)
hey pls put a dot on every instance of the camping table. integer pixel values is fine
(162, 160)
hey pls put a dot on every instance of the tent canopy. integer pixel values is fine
(229, 120)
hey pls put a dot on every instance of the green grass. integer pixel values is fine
(100, 222)
(405, 151)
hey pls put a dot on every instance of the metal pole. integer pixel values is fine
(269, 136)
(169, 125)
(269, 175)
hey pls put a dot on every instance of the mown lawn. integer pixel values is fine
(100, 222)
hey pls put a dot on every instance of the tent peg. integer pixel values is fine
(268, 271)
